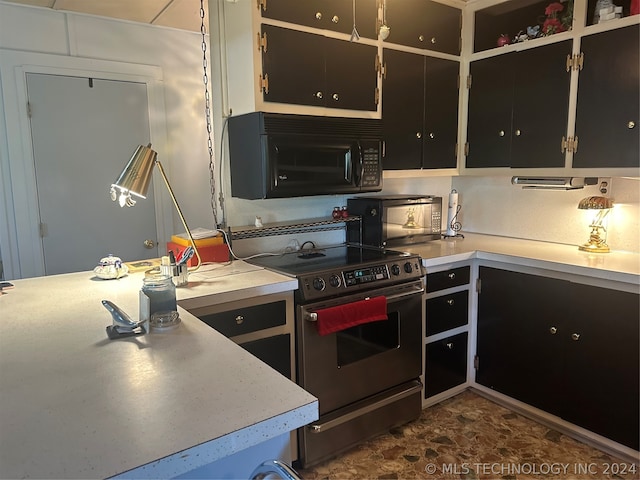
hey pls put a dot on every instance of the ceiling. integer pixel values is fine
(182, 14)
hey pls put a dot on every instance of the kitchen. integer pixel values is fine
(490, 204)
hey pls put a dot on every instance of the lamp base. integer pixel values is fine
(595, 247)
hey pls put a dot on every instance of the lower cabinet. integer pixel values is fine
(445, 364)
(263, 326)
(564, 347)
(446, 331)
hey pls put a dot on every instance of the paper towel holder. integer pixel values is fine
(453, 223)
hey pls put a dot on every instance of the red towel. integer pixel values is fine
(334, 319)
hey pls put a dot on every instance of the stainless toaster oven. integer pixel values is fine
(394, 220)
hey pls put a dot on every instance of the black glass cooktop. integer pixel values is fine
(308, 261)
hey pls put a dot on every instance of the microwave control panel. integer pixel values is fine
(371, 167)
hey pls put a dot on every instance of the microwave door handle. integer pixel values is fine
(360, 166)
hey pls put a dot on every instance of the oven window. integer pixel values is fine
(364, 341)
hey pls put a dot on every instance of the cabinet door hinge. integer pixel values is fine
(466, 149)
(469, 81)
(29, 109)
(575, 62)
(263, 4)
(263, 83)
(479, 285)
(262, 42)
(43, 230)
(570, 144)
(377, 96)
(476, 362)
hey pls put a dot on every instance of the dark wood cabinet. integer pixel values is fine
(424, 24)
(608, 110)
(419, 111)
(334, 15)
(564, 347)
(307, 69)
(274, 351)
(445, 364)
(518, 109)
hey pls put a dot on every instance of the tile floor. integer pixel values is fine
(471, 437)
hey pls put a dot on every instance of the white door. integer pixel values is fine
(83, 132)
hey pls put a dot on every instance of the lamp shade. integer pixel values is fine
(136, 176)
(595, 203)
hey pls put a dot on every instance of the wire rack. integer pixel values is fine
(289, 228)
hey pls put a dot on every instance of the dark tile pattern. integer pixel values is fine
(471, 437)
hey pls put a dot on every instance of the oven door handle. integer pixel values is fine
(313, 316)
(329, 424)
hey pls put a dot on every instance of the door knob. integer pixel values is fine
(239, 320)
(148, 243)
(335, 19)
(575, 337)
(318, 94)
(318, 15)
(553, 330)
(631, 124)
(450, 346)
(335, 96)
(450, 302)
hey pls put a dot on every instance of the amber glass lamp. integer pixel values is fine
(600, 207)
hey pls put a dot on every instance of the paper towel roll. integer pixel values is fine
(452, 211)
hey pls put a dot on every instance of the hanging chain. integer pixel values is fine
(207, 111)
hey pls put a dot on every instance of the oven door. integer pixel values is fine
(365, 377)
(344, 367)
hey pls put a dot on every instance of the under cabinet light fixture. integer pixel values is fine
(554, 183)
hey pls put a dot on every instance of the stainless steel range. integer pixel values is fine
(358, 340)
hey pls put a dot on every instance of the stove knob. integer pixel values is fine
(335, 281)
(318, 284)
(408, 267)
(395, 269)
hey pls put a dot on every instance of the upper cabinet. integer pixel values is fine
(552, 88)
(518, 108)
(335, 15)
(607, 118)
(420, 111)
(307, 69)
(424, 24)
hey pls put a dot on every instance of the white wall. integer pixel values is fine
(492, 205)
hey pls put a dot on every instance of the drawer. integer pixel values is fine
(447, 312)
(445, 364)
(448, 278)
(239, 321)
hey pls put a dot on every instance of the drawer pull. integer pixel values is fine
(575, 337)
(450, 302)
(450, 345)
(452, 275)
(239, 320)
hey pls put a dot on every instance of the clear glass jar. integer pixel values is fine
(163, 308)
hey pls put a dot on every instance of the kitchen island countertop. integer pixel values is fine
(77, 405)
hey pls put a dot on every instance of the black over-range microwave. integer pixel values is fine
(282, 155)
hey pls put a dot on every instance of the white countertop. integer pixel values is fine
(74, 404)
(616, 266)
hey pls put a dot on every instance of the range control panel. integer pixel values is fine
(324, 284)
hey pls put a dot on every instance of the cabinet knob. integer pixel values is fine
(452, 275)
(335, 19)
(433, 40)
(450, 346)
(418, 135)
(318, 15)
(575, 337)
(421, 38)
(148, 243)
(501, 133)
(631, 124)
(518, 132)
(239, 320)
(432, 135)
(553, 330)
(450, 302)
(318, 94)
(335, 96)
